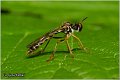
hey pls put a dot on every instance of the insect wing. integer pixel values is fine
(38, 40)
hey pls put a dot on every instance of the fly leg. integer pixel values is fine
(52, 55)
(68, 46)
(80, 43)
(69, 49)
(45, 46)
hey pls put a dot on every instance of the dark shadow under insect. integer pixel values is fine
(46, 53)
(68, 29)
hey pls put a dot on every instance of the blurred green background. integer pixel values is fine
(23, 22)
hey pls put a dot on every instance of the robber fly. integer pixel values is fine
(67, 28)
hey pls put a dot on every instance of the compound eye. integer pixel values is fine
(80, 27)
(76, 26)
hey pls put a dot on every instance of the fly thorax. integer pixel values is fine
(66, 28)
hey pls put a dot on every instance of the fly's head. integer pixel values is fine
(77, 27)
(70, 28)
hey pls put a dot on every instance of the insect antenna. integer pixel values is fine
(83, 19)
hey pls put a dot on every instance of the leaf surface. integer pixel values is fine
(28, 21)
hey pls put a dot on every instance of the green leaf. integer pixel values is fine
(23, 22)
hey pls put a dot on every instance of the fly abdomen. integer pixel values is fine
(33, 48)
(36, 44)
